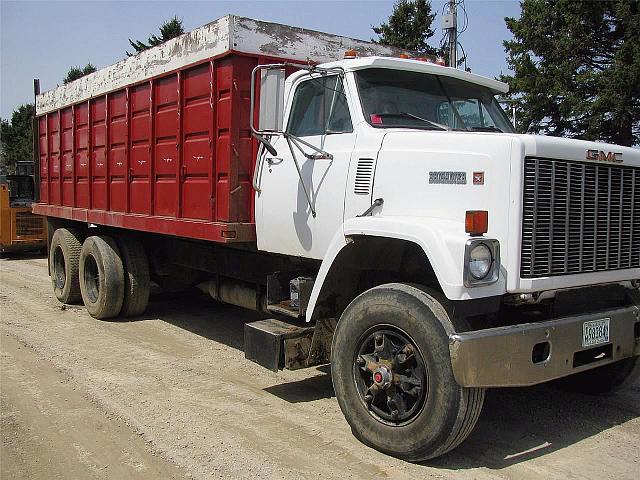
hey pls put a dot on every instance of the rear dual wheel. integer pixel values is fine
(64, 263)
(136, 277)
(114, 277)
(392, 374)
(101, 277)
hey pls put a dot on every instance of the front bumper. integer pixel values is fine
(504, 356)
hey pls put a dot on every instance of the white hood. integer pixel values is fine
(441, 175)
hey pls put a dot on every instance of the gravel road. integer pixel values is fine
(170, 395)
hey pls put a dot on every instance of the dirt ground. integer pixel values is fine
(170, 395)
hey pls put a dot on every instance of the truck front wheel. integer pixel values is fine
(392, 374)
(101, 277)
(64, 258)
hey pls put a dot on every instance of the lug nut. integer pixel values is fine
(361, 361)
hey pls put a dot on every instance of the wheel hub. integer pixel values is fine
(382, 377)
(59, 274)
(390, 376)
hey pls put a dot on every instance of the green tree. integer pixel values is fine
(577, 69)
(16, 138)
(168, 30)
(75, 73)
(408, 27)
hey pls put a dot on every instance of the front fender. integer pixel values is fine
(443, 242)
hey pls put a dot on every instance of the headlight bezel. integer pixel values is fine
(494, 270)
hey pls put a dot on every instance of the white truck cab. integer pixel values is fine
(433, 144)
(496, 259)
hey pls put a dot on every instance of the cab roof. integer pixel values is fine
(355, 64)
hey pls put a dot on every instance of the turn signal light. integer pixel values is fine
(350, 54)
(476, 222)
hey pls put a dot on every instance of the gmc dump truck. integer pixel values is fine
(379, 209)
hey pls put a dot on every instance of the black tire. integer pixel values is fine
(101, 277)
(601, 380)
(64, 258)
(136, 277)
(448, 412)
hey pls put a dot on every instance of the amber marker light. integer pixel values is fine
(350, 54)
(476, 222)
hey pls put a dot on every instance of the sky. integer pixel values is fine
(44, 39)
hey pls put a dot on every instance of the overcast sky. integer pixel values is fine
(43, 39)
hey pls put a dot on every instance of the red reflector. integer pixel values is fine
(476, 222)
(375, 119)
(377, 377)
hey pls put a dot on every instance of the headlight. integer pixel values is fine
(480, 260)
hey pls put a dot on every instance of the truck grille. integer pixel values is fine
(29, 225)
(579, 217)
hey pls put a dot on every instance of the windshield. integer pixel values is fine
(397, 98)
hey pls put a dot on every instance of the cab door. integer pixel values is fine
(287, 221)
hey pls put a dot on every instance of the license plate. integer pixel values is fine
(595, 332)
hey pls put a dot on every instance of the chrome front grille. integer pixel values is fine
(579, 217)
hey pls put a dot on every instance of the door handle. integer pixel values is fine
(274, 160)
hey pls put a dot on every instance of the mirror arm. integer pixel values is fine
(304, 186)
(257, 169)
(266, 143)
(320, 154)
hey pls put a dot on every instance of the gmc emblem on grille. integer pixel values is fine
(601, 156)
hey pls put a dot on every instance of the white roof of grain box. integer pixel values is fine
(225, 34)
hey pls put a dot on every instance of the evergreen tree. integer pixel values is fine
(75, 73)
(408, 27)
(577, 69)
(16, 138)
(168, 30)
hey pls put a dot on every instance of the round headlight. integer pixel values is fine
(480, 260)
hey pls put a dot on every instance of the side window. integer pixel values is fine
(319, 107)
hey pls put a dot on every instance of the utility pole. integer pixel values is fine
(450, 23)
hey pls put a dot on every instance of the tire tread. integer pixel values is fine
(71, 245)
(136, 277)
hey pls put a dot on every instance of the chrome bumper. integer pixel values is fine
(502, 357)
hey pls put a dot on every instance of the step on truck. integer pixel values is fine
(378, 207)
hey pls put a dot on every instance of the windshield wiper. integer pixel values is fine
(488, 128)
(439, 126)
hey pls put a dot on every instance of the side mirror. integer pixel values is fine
(271, 107)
